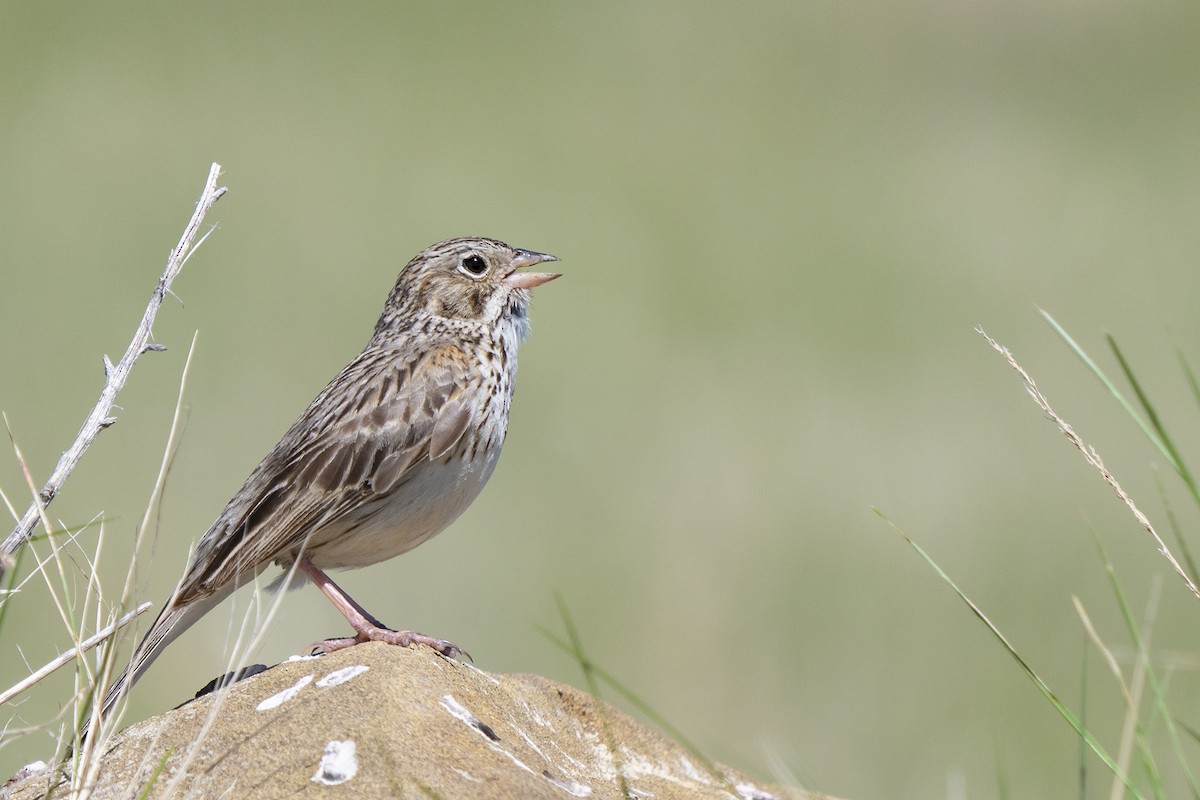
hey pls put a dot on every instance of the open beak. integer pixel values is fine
(528, 280)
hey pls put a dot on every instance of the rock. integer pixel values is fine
(376, 721)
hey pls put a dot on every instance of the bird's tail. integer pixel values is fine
(173, 620)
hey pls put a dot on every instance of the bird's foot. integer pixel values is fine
(378, 633)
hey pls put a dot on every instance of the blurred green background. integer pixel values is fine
(779, 223)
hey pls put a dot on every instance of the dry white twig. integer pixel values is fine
(70, 655)
(1093, 458)
(116, 374)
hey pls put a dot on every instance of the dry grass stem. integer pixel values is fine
(160, 480)
(1130, 731)
(1105, 650)
(56, 568)
(68, 656)
(1093, 458)
(250, 625)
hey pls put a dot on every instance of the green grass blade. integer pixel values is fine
(592, 672)
(1151, 769)
(1189, 374)
(1175, 458)
(1156, 688)
(1176, 531)
(1041, 685)
(642, 706)
(155, 775)
(1189, 730)
(575, 648)
(1112, 388)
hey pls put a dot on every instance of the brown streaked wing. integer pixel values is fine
(453, 394)
(329, 464)
(452, 421)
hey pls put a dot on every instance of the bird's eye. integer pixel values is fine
(473, 265)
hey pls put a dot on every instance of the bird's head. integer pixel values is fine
(470, 279)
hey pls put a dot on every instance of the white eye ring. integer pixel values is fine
(472, 265)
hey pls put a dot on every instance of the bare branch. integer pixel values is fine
(116, 374)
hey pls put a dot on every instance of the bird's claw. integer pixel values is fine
(388, 636)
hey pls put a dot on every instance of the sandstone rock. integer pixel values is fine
(375, 721)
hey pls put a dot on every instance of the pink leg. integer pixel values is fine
(366, 627)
